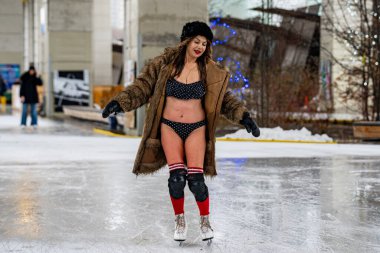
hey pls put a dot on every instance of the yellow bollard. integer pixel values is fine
(3, 102)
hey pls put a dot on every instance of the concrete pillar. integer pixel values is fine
(151, 26)
(36, 33)
(26, 13)
(65, 39)
(101, 42)
(41, 13)
(28, 33)
(131, 56)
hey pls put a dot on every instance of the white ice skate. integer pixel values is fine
(180, 230)
(206, 231)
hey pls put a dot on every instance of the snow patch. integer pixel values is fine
(278, 133)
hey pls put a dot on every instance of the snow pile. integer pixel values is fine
(278, 133)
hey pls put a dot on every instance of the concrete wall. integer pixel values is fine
(161, 22)
(70, 26)
(70, 50)
(11, 32)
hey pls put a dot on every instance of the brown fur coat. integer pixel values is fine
(149, 87)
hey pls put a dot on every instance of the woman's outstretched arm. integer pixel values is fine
(234, 110)
(139, 92)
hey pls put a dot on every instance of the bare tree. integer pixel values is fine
(272, 67)
(355, 24)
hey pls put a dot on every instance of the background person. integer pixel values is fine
(3, 89)
(29, 96)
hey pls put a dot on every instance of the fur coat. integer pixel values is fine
(149, 88)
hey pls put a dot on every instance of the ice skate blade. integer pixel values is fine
(206, 239)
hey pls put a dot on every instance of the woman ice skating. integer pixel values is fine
(186, 92)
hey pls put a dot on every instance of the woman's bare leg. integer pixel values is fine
(174, 152)
(195, 148)
(172, 145)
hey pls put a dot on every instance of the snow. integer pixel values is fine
(278, 133)
(326, 116)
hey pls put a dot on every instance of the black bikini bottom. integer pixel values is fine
(183, 129)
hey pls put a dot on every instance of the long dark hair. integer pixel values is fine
(179, 59)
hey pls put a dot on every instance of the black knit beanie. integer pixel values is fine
(195, 28)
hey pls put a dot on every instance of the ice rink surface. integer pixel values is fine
(65, 189)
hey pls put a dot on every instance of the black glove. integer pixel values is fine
(111, 107)
(250, 124)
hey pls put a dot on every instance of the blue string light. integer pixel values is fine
(216, 22)
(236, 76)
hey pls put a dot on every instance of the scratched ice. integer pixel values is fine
(70, 193)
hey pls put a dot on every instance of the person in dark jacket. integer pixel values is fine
(3, 86)
(3, 89)
(29, 95)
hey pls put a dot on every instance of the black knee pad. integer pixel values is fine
(197, 186)
(177, 182)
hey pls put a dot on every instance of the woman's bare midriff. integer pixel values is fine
(185, 111)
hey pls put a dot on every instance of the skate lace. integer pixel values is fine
(205, 224)
(180, 223)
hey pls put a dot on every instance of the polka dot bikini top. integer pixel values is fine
(180, 90)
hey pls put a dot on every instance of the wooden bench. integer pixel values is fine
(367, 130)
